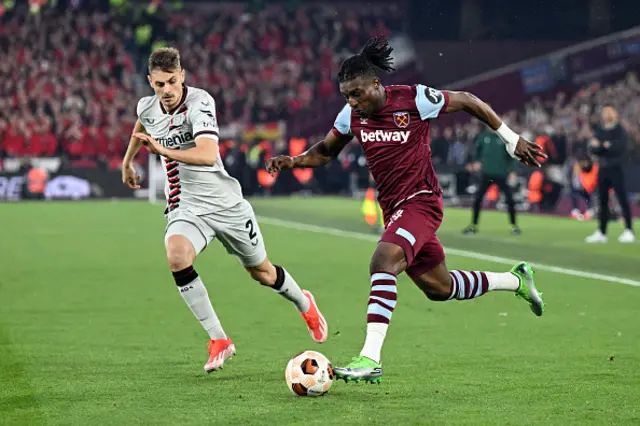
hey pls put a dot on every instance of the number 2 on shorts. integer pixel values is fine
(249, 226)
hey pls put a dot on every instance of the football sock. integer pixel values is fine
(502, 281)
(468, 284)
(288, 288)
(382, 302)
(376, 332)
(195, 295)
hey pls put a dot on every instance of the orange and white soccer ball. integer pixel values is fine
(309, 374)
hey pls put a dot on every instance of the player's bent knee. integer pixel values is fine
(178, 259)
(442, 288)
(388, 257)
(436, 284)
(180, 253)
(435, 291)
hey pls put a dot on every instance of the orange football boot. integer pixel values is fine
(219, 351)
(316, 323)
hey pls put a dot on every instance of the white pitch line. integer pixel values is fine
(457, 252)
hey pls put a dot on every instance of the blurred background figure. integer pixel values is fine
(495, 167)
(583, 178)
(609, 146)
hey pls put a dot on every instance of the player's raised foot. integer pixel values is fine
(219, 351)
(314, 319)
(360, 369)
(527, 289)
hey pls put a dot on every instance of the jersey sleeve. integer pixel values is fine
(342, 125)
(143, 106)
(430, 102)
(139, 108)
(202, 115)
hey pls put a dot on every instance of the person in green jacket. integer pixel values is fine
(497, 167)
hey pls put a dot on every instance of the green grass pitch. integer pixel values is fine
(94, 332)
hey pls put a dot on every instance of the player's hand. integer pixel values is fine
(151, 144)
(130, 177)
(281, 162)
(529, 152)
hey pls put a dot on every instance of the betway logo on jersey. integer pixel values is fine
(175, 140)
(385, 136)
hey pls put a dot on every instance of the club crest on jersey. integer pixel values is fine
(401, 119)
(176, 122)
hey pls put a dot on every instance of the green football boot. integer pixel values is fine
(360, 369)
(527, 289)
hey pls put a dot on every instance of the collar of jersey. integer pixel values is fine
(184, 96)
(387, 102)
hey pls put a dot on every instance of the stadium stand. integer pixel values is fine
(287, 68)
(87, 114)
(72, 79)
(566, 116)
(66, 87)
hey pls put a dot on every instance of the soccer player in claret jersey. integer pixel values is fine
(392, 125)
(203, 201)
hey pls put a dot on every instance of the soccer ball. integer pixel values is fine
(309, 374)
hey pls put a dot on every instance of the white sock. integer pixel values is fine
(197, 298)
(291, 291)
(502, 281)
(376, 332)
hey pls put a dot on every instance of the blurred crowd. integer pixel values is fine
(71, 79)
(65, 79)
(67, 82)
(268, 65)
(567, 119)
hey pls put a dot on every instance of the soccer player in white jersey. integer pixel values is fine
(203, 201)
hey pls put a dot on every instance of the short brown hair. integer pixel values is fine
(166, 59)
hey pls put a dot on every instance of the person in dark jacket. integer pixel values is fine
(608, 145)
(497, 167)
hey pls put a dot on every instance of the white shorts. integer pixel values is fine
(236, 228)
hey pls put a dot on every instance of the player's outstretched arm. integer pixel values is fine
(518, 147)
(316, 156)
(129, 175)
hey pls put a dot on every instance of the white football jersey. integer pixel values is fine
(200, 189)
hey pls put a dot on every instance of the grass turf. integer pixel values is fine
(93, 331)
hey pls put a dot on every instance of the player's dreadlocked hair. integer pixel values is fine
(166, 59)
(375, 53)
